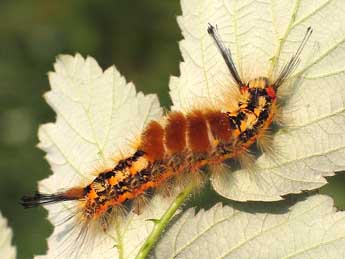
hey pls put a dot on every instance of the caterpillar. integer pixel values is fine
(182, 143)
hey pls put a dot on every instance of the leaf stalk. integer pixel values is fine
(160, 224)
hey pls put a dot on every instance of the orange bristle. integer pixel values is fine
(74, 193)
(152, 141)
(198, 139)
(219, 125)
(175, 132)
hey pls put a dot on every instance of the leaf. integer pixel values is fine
(262, 36)
(311, 228)
(6, 249)
(99, 116)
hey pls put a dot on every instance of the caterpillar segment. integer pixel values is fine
(182, 144)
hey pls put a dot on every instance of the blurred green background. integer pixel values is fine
(139, 37)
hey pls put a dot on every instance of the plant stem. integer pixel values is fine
(161, 223)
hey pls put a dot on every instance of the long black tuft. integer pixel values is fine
(41, 199)
(226, 54)
(294, 61)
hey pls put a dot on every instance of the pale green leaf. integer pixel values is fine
(262, 36)
(6, 249)
(99, 116)
(311, 228)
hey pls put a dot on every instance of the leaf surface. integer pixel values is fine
(6, 249)
(311, 228)
(98, 119)
(262, 36)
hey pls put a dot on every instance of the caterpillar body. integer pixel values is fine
(182, 143)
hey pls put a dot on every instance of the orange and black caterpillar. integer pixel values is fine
(182, 143)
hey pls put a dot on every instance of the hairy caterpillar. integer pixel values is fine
(181, 144)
